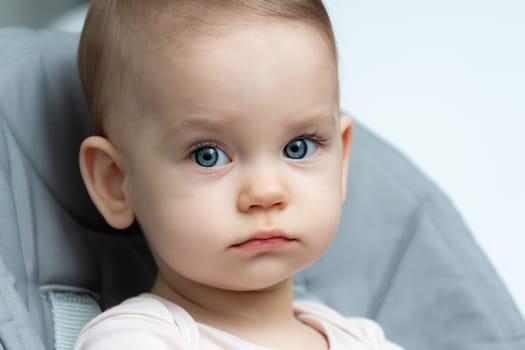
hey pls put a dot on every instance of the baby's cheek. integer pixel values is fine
(325, 219)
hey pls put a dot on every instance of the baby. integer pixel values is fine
(218, 130)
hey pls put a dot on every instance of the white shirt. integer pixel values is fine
(151, 322)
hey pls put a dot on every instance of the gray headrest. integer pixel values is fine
(45, 113)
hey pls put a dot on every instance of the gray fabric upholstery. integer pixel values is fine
(402, 254)
(50, 232)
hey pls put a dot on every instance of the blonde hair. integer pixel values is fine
(117, 32)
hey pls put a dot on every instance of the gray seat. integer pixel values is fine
(402, 256)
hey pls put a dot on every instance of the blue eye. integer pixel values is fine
(209, 156)
(300, 148)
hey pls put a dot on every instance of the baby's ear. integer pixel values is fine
(346, 137)
(105, 181)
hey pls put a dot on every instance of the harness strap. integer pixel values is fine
(71, 310)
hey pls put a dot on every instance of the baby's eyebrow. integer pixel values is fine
(218, 122)
(309, 120)
(197, 122)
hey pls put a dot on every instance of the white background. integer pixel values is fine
(444, 81)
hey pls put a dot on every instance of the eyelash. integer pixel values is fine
(314, 137)
(204, 144)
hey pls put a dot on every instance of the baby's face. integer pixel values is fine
(236, 170)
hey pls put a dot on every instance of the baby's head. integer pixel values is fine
(123, 40)
(219, 131)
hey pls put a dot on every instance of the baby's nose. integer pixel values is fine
(264, 192)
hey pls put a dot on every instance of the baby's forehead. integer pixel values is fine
(244, 56)
(154, 50)
(206, 35)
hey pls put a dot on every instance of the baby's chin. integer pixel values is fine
(272, 277)
(261, 282)
(259, 286)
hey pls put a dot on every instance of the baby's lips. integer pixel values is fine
(268, 236)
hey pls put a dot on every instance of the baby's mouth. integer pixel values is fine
(265, 240)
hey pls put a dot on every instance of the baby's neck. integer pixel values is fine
(225, 309)
(264, 317)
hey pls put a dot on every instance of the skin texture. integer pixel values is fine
(253, 95)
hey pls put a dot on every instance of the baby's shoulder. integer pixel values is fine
(140, 321)
(143, 308)
(366, 331)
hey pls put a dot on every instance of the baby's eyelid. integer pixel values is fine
(208, 144)
(315, 136)
(203, 144)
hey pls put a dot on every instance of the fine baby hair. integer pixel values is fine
(218, 131)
